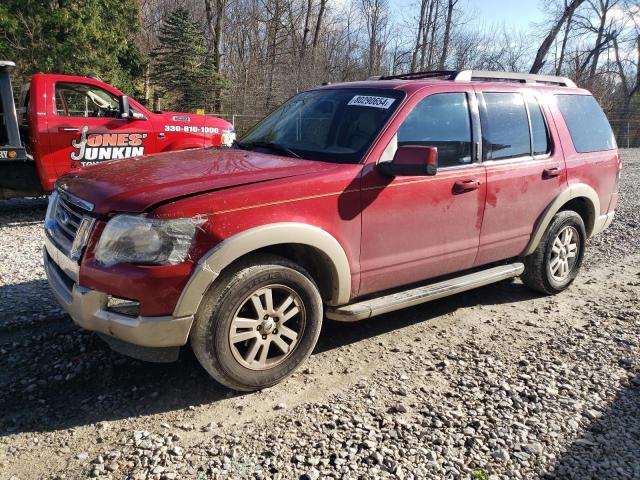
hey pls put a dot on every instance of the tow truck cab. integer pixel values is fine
(66, 122)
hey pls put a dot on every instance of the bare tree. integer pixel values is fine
(541, 55)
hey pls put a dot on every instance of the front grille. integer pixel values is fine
(68, 223)
(68, 218)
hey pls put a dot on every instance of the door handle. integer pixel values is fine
(68, 129)
(551, 172)
(462, 186)
(161, 136)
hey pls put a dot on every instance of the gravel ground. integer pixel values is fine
(494, 383)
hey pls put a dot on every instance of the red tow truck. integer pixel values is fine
(65, 122)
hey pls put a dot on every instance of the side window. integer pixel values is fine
(81, 100)
(587, 123)
(505, 126)
(440, 120)
(539, 131)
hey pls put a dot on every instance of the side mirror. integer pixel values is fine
(410, 161)
(125, 111)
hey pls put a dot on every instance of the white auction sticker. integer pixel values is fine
(369, 101)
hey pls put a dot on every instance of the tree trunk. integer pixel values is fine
(565, 39)
(221, 6)
(541, 55)
(316, 33)
(432, 42)
(425, 35)
(604, 8)
(447, 33)
(414, 57)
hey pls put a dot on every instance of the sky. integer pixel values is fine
(518, 13)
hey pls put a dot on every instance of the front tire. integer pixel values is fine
(258, 323)
(555, 263)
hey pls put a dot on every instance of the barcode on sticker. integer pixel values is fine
(370, 101)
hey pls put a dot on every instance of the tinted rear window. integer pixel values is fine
(587, 123)
(505, 128)
(538, 128)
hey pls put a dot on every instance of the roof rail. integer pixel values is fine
(447, 74)
(470, 75)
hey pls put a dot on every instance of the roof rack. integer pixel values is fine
(480, 75)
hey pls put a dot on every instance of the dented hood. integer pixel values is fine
(137, 184)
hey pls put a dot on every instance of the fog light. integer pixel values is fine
(12, 154)
(123, 306)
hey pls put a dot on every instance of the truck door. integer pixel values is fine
(525, 168)
(414, 228)
(85, 127)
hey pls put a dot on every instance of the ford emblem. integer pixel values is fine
(63, 217)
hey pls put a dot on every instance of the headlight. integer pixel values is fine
(228, 137)
(148, 241)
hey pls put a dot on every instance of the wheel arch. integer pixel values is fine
(312, 247)
(580, 198)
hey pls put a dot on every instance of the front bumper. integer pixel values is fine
(88, 308)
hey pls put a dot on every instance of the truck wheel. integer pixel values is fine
(555, 263)
(257, 323)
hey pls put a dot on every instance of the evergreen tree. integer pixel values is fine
(181, 65)
(73, 37)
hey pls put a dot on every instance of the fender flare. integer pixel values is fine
(222, 255)
(579, 190)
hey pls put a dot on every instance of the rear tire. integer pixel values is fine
(257, 323)
(555, 263)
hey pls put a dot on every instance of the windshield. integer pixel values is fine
(334, 125)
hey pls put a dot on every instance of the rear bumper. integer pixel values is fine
(88, 309)
(602, 223)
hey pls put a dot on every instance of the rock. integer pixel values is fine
(501, 455)
(311, 474)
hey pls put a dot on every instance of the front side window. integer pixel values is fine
(587, 123)
(440, 120)
(505, 126)
(81, 100)
(334, 125)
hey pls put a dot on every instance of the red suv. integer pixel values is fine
(349, 201)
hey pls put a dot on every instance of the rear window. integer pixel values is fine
(505, 127)
(590, 131)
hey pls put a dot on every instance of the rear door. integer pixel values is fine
(85, 127)
(524, 164)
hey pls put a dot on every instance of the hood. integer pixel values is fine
(137, 184)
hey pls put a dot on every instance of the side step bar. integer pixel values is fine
(408, 298)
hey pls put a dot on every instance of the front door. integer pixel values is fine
(415, 228)
(85, 128)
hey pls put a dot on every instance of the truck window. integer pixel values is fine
(539, 131)
(442, 121)
(81, 100)
(334, 125)
(4, 135)
(505, 126)
(588, 126)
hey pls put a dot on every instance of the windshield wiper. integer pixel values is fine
(273, 146)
